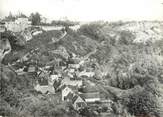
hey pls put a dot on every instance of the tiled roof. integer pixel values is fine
(74, 88)
(74, 98)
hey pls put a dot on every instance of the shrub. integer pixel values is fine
(92, 30)
(126, 37)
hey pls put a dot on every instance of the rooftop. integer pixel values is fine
(74, 98)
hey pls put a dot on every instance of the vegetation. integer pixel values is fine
(132, 79)
(92, 30)
(63, 23)
(12, 17)
(35, 18)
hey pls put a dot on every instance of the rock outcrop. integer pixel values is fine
(5, 48)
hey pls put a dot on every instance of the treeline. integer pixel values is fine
(37, 19)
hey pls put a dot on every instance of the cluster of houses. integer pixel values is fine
(18, 25)
(65, 78)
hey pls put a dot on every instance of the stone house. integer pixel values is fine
(78, 102)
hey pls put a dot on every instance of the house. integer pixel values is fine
(68, 81)
(66, 90)
(91, 97)
(85, 73)
(69, 97)
(43, 74)
(20, 71)
(18, 25)
(31, 69)
(78, 102)
(45, 88)
(22, 21)
(55, 78)
(74, 28)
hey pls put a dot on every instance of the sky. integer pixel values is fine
(87, 10)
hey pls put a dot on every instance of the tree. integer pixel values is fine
(126, 37)
(92, 30)
(10, 17)
(35, 18)
(86, 112)
(21, 15)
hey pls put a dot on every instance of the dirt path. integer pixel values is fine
(54, 40)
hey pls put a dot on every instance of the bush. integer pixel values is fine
(126, 37)
(63, 23)
(143, 103)
(35, 18)
(92, 30)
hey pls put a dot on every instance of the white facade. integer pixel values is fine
(75, 28)
(92, 99)
(88, 74)
(45, 89)
(65, 92)
(54, 77)
(78, 100)
(19, 25)
(36, 33)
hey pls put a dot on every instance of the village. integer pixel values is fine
(79, 69)
(67, 76)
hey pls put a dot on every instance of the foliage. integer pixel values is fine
(63, 23)
(35, 18)
(92, 30)
(144, 103)
(87, 112)
(127, 65)
(126, 37)
(14, 41)
(10, 17)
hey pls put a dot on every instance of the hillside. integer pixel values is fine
(123, 61)
(144, 31)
